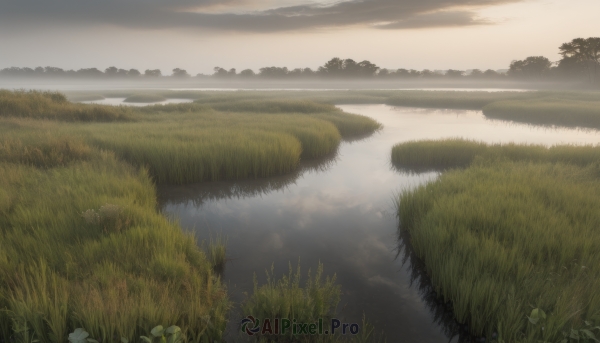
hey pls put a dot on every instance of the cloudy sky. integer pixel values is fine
(198, 35)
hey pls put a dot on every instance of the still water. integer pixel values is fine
(340, 211)
(121, 101)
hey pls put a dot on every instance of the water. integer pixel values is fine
(492, 90)
(340, 211)
(121, 101)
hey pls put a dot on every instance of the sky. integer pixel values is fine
(198, 35)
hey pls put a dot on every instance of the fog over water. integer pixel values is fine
(340, 211)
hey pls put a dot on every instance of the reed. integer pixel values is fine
(439, 155)
(82, 245)
(52, 105)
(453, 99)
(548, 111)
(510, 233)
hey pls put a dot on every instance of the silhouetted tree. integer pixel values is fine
(451, 73)
(581, 55)
(133, 73)
(152, 73)
(531, 67)
(247, 73)
(180, 73)
(273, 72)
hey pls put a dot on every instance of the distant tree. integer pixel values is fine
(476, 74)
(111, 71)
(180, 73)
(532, 67)
(426, 73)
(581, 54)
(220, 72)
(53, 71)
(307, 72)
(89, 73)
(273, 72)
(384, 73)
(152, 73)
(333, 67)
(451, 73)
(133, 73)
(491, 74)
(247, 73)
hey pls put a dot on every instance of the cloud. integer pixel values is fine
(159, 14)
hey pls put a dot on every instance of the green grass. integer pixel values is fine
(515, 230)
(54, 106)
(453, 99)
(145, 98)
(439, 155)
(82, 245)
(550, 111)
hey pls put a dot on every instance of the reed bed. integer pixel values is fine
(550, 111)
(500, 238)
(82, 245)
(54, 106)
(453, 99)
(439, 155)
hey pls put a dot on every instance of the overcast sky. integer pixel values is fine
(198, 35)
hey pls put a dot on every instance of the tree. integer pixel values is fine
(581, 54)
(133, 73)
(273, 72)
(451, 73)
(333, 67)
(247, 73)
(533, 67)
(180, 73)
(152, 73)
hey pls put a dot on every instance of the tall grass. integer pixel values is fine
(52, 105)
(453, 99)
(430, 155)
(83, 246)
(499, 238)
(550, 111)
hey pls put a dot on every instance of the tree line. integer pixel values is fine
(580, 61)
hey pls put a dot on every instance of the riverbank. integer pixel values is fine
(82, 242)
(514, 230)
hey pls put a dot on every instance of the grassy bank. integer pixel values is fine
(552, 108)
(439, 155)
(82, 245)
(547, 111)
(515, 230)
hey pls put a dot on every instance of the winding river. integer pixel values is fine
(340, 211)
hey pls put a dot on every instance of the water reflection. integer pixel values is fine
(121, 101)
(198, 194)
(342, 214)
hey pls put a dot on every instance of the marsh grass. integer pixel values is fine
(216, 252)
(548, 111)
(286, 297)
(453, 99)
(439, 155)
(500, 237)
(52, 105)
(83, 246)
